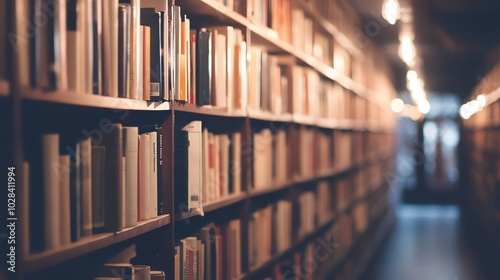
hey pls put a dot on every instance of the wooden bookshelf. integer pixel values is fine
(91, 243)
(89, 100)
(245, 122)
(4, 88)
(208, 110)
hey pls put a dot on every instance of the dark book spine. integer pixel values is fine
(122, 51)
(204, 68)
(181, 146)
(152, 19)
(96, 49)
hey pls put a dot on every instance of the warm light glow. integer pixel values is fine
(424, 106)
(415, 84)
(465, 112)
(397, 105)
(474, 106)
(411, 75)
(391, 11)
(407, 50)
(418, 95)
(481, 100)
(415, 115)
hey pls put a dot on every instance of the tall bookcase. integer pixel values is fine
(479, 164)
(322, 166)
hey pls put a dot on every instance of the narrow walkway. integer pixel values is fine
(428, 243)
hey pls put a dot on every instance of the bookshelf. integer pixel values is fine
(304, 138)
(479, 161)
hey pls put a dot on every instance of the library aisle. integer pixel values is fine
(428, 242)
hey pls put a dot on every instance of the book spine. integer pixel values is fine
(51, 190)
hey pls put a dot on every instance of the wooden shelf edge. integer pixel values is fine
(229, 200)
(267, 190)
(215, 9)
(207, 110)
(268, 116)
(4, 88)
(89, 100)
(90, 244)
(212, 206)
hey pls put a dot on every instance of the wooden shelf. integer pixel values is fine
(305, 120)
(207, 110)
(229, 200)
(90, 244)
(273, 188)
(221, 14)
(89, 100)
(4, 88)
(212, 206)
(268, 116)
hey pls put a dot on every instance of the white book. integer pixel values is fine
(145, 178)
(135, 49)
(131, 150)
(153, 193)
(110, 50)
(195, 164)
(50, 145)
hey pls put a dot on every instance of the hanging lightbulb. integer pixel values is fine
(407, 50)
(391, 11)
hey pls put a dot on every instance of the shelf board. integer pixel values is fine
(305, 120)
(216, 10)
(4, 88)
(207, 110)
(90, 244)
(89, 100)
(229, 200)
(274, 188)
(211, 206)
(268, 116)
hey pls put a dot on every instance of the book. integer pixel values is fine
(98, 185)
(86, 186)
(175, 47)
(151, 18)
(110, 47)
(64, 196)
(97, 53)
(146, 61)
(204, 67)
(130, 152)
(51, 176)
(153, 193)
(188, 164)
(124, 30)
(144, 193)
(113, 194)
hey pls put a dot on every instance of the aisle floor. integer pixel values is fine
(427, 243)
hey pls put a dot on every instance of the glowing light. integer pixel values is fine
(424, 106)
(474, 106)
(407, 50)
(397, 105)
(391, 11)
(411, 75)
(481, 100)
(418, 95)
(465, 112)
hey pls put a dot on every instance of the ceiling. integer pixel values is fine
(456, 40)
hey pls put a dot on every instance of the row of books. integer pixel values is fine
(271, 158)
(129, 272)
(207, 166)
(214, 253)
(85, 185)
(269, 232)
(272, 14)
